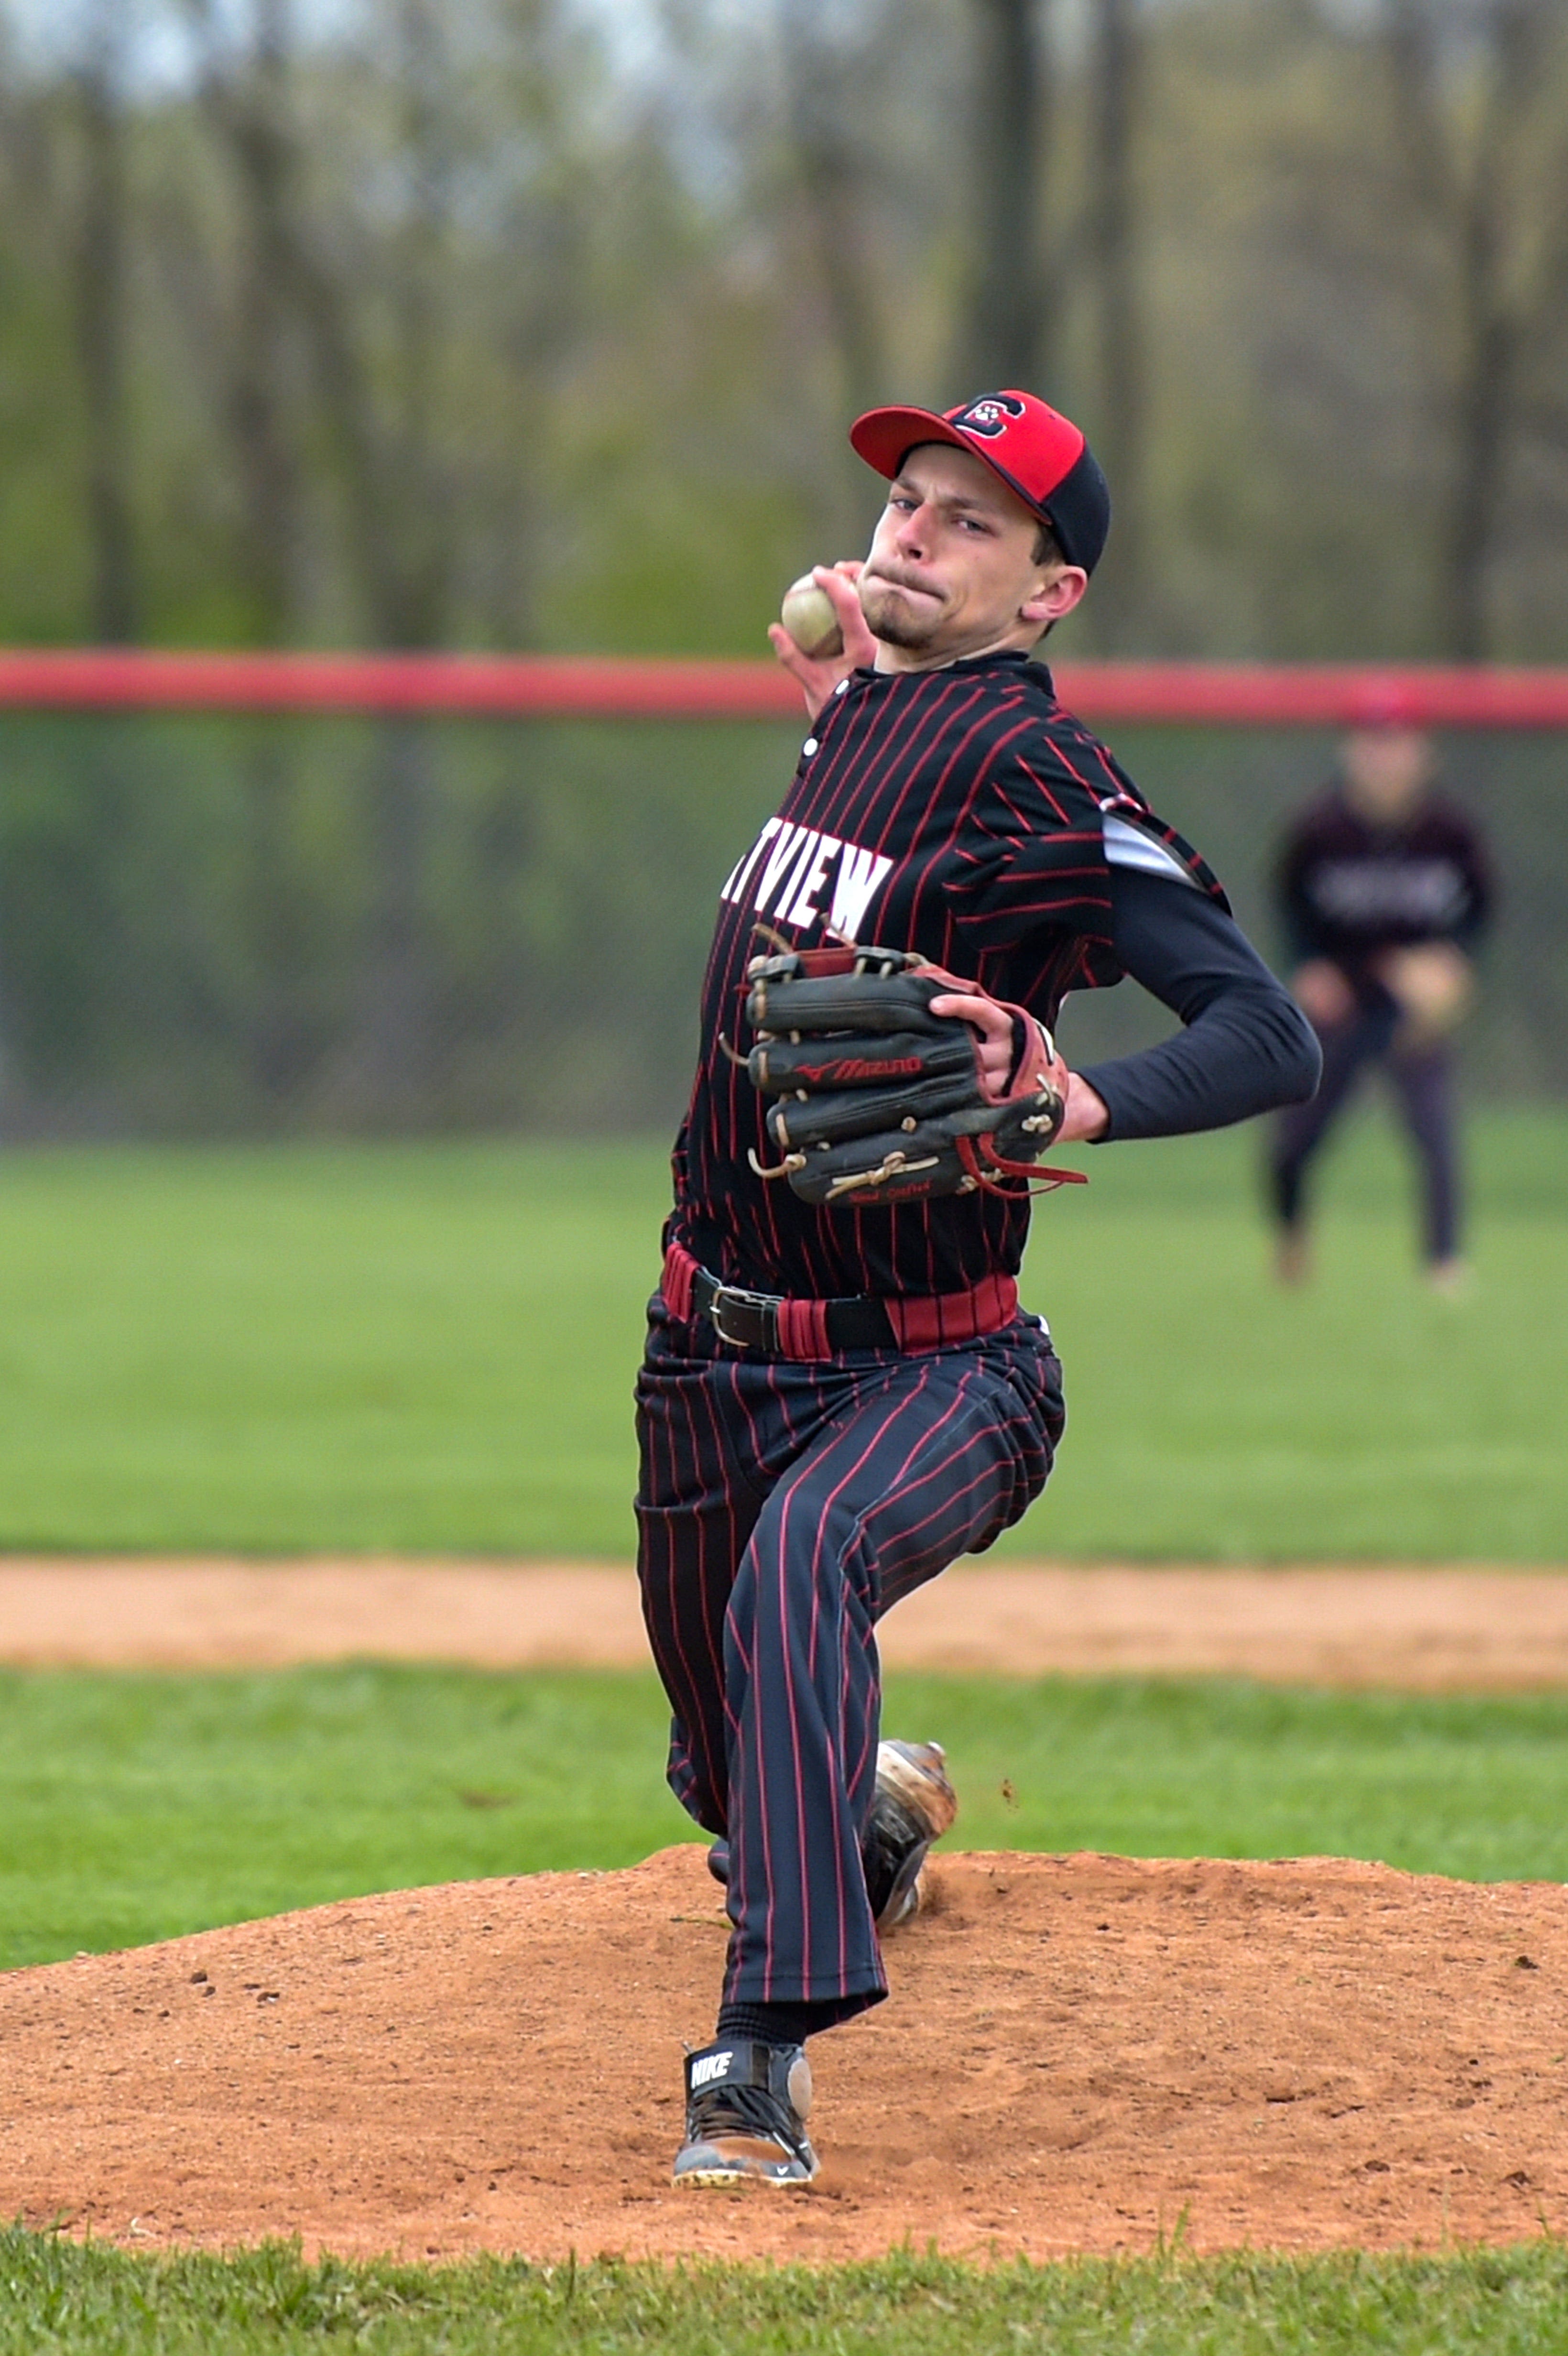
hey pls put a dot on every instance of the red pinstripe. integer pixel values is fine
(988, 798)
(878, 1469)
(783, 1505)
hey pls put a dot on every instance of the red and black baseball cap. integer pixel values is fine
(1038, 453)
(1385, 704)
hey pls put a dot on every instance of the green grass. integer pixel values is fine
(413, 1348)
(135, 1808)
(56, 2296)
(430, 1349)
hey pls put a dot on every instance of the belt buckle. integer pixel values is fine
(764, 1304)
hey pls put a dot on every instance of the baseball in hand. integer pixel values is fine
(808, 615)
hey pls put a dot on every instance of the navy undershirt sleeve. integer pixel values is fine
(1245, 1046)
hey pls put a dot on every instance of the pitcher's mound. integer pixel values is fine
(1081, 2053)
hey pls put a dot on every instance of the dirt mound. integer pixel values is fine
(1080, 2052)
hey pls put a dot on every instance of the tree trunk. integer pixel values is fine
(1490, 337)
(1468, 190)
(1009, 341)
(1121, 428)
(830, 166)
(246, 107)
(101, 331)
(267, 464)
(401, 527)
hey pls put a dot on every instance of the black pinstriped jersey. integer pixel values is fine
(959, 813)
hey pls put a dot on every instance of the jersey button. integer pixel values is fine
(842, 688)
(809, 747)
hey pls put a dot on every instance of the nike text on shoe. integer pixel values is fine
(914, 1805)
(746, 2107)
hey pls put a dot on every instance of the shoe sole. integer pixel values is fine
(735, 2179)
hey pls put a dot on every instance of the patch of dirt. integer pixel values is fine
(1080, 2053)
(1419, 1628)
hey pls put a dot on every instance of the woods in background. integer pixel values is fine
(538, 324)
(436, 322)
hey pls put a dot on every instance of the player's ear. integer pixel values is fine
(1059, 592)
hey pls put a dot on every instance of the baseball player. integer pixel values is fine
(840, 1398)
(1384, 891)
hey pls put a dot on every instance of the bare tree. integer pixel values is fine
(267, 453)
(1470, 99)
(1114, 253)
(407, 557)
(831, 168)
(1010, 330)
(244, 93)
(102, 320)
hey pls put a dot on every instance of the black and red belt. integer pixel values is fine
(786, 1328)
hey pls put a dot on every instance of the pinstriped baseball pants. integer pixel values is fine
(782, 1509)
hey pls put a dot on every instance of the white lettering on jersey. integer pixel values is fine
(803, 908)
(786, 843)
(792, 869)
(861, 873)
(806, 841)
(742, 867)
(1417, 891)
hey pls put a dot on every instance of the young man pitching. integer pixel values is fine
(840, 1394)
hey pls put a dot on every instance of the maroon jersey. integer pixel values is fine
(1351, 888)
(957, 813)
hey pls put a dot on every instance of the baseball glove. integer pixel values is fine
(879, 1100)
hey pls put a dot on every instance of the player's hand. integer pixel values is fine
(818, 678)
(1323, 993)
(1431, 982)
(1087, 1115)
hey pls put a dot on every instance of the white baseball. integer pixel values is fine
(808, 615)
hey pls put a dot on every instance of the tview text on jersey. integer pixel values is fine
(799, 876)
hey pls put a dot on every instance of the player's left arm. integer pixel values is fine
(1245, 1047)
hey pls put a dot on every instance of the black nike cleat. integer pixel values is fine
(915, 1805)
(746, 2107)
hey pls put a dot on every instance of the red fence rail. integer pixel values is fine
(595, 687)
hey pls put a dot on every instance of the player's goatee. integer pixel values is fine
(892, 621)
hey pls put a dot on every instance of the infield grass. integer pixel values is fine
(431, 1349)
(136, 1808)
(57, 2297)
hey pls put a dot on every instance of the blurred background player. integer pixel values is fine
(1384, 890)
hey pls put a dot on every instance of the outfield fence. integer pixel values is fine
(271, 894)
